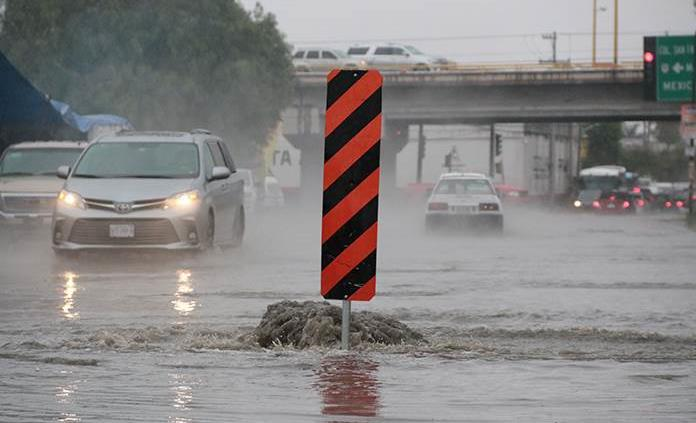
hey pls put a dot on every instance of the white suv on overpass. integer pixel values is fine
(392, 57)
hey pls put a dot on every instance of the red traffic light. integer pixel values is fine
(648, 56)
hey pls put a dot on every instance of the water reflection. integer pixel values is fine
(348, 386)
(182, 302)
(183, 396)
(69, 290)
(65, 395)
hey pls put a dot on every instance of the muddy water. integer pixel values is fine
(563, 318)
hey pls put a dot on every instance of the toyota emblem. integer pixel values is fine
(123, 207)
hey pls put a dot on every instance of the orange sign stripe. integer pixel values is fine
(351, 100)
(332, 74)
(351, 204)
(349, 258)
(352, 151)
(366, 292)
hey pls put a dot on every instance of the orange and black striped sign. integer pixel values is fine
(351, 184)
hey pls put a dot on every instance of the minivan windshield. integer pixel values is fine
(139, 160)
(37, 161)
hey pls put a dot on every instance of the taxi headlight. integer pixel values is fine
(71, 199)
(488, 207)
(183, 200)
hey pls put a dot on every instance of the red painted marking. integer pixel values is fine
(351, 100)
(352, 151)
(348, 206)
(348, 259)
(366, 292)
(332, 75)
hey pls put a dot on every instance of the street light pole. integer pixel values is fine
(594, 32)
(616, 32)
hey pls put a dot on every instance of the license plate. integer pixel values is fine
(611, 206)
(122, 231)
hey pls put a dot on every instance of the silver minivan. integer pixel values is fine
(152, 190)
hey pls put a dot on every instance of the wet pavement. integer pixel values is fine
(565, 317)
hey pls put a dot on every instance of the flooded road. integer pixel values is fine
(563, 318)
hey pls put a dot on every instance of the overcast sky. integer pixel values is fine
(482, 30)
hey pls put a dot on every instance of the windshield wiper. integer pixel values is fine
(17, 174)
(143, 176)
(86, 175)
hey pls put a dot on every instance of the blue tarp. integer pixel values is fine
(84, 123)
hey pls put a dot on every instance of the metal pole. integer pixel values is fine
(594, 32)
(616, 32)
(345, 326)
(554, 46)
(491, 153)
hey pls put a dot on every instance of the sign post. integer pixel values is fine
(352, 135)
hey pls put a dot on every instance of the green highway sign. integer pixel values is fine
(674, 68)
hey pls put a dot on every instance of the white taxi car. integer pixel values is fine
(464, 199)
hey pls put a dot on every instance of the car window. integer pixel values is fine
(313, 54)
(328, 55)
(383, 51)
(463, 186)
(228, 157)
(299, 54)
(398, 50)
(218, 158)
(413, 50)
(358, 51)
(37, 161)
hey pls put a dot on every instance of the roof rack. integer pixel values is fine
(201, 131)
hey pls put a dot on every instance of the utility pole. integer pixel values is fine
(552, 36)
(616, 32)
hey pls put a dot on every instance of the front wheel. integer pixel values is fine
(238, 228)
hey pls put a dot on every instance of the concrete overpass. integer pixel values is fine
(481, 95)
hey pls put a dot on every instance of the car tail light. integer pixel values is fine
(488, 207)
(668, 204)
(438, 206)
(641, 203)
(679, 204)
(596, 204)
(626, 204)
(636, 190)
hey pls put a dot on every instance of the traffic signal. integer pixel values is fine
(498, 144)
(649, 68)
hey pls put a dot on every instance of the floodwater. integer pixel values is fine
(565, 318)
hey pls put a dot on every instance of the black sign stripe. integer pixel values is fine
(351, 178)
(353, 124)
(340, 84)
(349, 232)
(355, 279)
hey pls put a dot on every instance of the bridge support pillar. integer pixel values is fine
(491, 153)
(553, 166)
(421, 154)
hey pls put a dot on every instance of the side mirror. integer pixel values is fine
(219, 172)
(63, 172)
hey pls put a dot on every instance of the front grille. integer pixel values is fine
(464, 209)
(109, 205)
(29, 204)
(147, 232)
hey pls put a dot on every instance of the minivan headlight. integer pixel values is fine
(71, 199)
(183, 200)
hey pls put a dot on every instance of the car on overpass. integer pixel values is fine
(395, 57)
(466, 200)
(28, 182)
(150, 190)
(321, 60)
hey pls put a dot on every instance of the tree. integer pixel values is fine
(163, 64)
(603, 144)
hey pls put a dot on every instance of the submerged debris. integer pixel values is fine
(313, 323)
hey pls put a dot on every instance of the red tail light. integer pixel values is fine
(636, 190)
(679, 204)
(438, 206)
(641, 203)
(668, 204)
(596, 204)
(626, 204)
